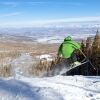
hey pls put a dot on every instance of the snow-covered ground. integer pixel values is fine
(50, 88)
(22, 86)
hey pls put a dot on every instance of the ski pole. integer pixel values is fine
(87, 59)
(83, 54)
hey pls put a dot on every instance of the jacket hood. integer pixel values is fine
(68, 39)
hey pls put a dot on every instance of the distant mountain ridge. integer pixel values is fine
(49, 34)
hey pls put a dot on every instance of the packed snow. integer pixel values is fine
(50, 88)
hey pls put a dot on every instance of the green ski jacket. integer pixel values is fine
(67, 48)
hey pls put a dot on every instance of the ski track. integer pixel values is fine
(50, 88)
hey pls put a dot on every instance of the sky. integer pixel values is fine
(34, 12)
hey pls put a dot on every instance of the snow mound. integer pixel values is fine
(46, 56)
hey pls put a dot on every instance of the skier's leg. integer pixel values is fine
(73, 57)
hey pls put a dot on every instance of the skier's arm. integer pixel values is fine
(60, 50)
(76, 45)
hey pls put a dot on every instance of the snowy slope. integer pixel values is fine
(51, 88)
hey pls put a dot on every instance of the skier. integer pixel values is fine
(68, 50)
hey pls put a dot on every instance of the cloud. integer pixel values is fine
(16, 3)
(54, 2)
(10, 14)
(10, 4)
(74, 19)
(82, 19)
(66, 22)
